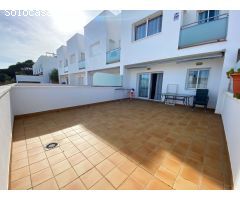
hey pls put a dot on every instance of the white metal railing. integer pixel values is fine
(204, 31)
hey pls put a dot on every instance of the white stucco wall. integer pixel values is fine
(75, 45)
(31, 99)
(231, 115)
(61, 57)
(6, 127)
(159, 46)
(231, 54)
(174, 73)
(102, 28)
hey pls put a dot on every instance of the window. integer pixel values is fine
(208, 15)
(154, 25)
(140, 31)
(72, 59)
(197, 78)
(147, 27)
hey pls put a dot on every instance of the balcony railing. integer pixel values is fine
(81, 64)
(113, 56)
(65, 69)
(204, 31)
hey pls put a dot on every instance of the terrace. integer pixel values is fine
(121, 144)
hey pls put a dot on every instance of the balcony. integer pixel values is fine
(204, 31)
(113, 56)
(81, 64)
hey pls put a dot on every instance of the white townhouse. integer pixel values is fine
(93, 59)
(71, 61)
(188, 49)
(103, 46)
(62, 63)
(152, 51)
(41, 70)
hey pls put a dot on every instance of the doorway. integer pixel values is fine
(156, 86)
(150, 85)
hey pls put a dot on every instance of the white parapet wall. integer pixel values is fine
(29, 79)
(231, 120)
(19, 99)
(6, 127)
(37, 98)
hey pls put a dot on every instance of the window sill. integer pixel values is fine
(195, 88)
(147, 37)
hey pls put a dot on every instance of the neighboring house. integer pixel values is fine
(188, 49)
(41, 70)
(93, 59)
(102, 41)
(71, 61)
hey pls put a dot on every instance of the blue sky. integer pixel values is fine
(23, 38)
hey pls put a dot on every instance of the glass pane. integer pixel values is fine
(143, 85)
(154, 25)
(192, 79)
(140, 31)
(203, 79)
(213, 14)
(202, 17)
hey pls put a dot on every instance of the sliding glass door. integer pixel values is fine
(150, 85)
(143, 85)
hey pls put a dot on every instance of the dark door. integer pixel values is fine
(156, 86)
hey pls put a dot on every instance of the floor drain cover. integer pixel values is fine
(51, 145)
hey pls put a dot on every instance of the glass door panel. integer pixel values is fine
(143, 85)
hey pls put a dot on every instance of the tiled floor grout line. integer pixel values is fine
(129, 176)
(21, 159)
(79, 162)
(182, 165)
(49, 166)
(78, 177)
(28, 161)
(104, 160)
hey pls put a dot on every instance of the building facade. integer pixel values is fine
(152, 51)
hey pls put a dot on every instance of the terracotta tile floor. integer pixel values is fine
(121, 145)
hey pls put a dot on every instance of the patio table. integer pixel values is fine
(185, 98)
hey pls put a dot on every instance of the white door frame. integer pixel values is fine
(138, 75)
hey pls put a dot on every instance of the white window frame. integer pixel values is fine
(208, 14)
(145, 20)
(195, 69)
